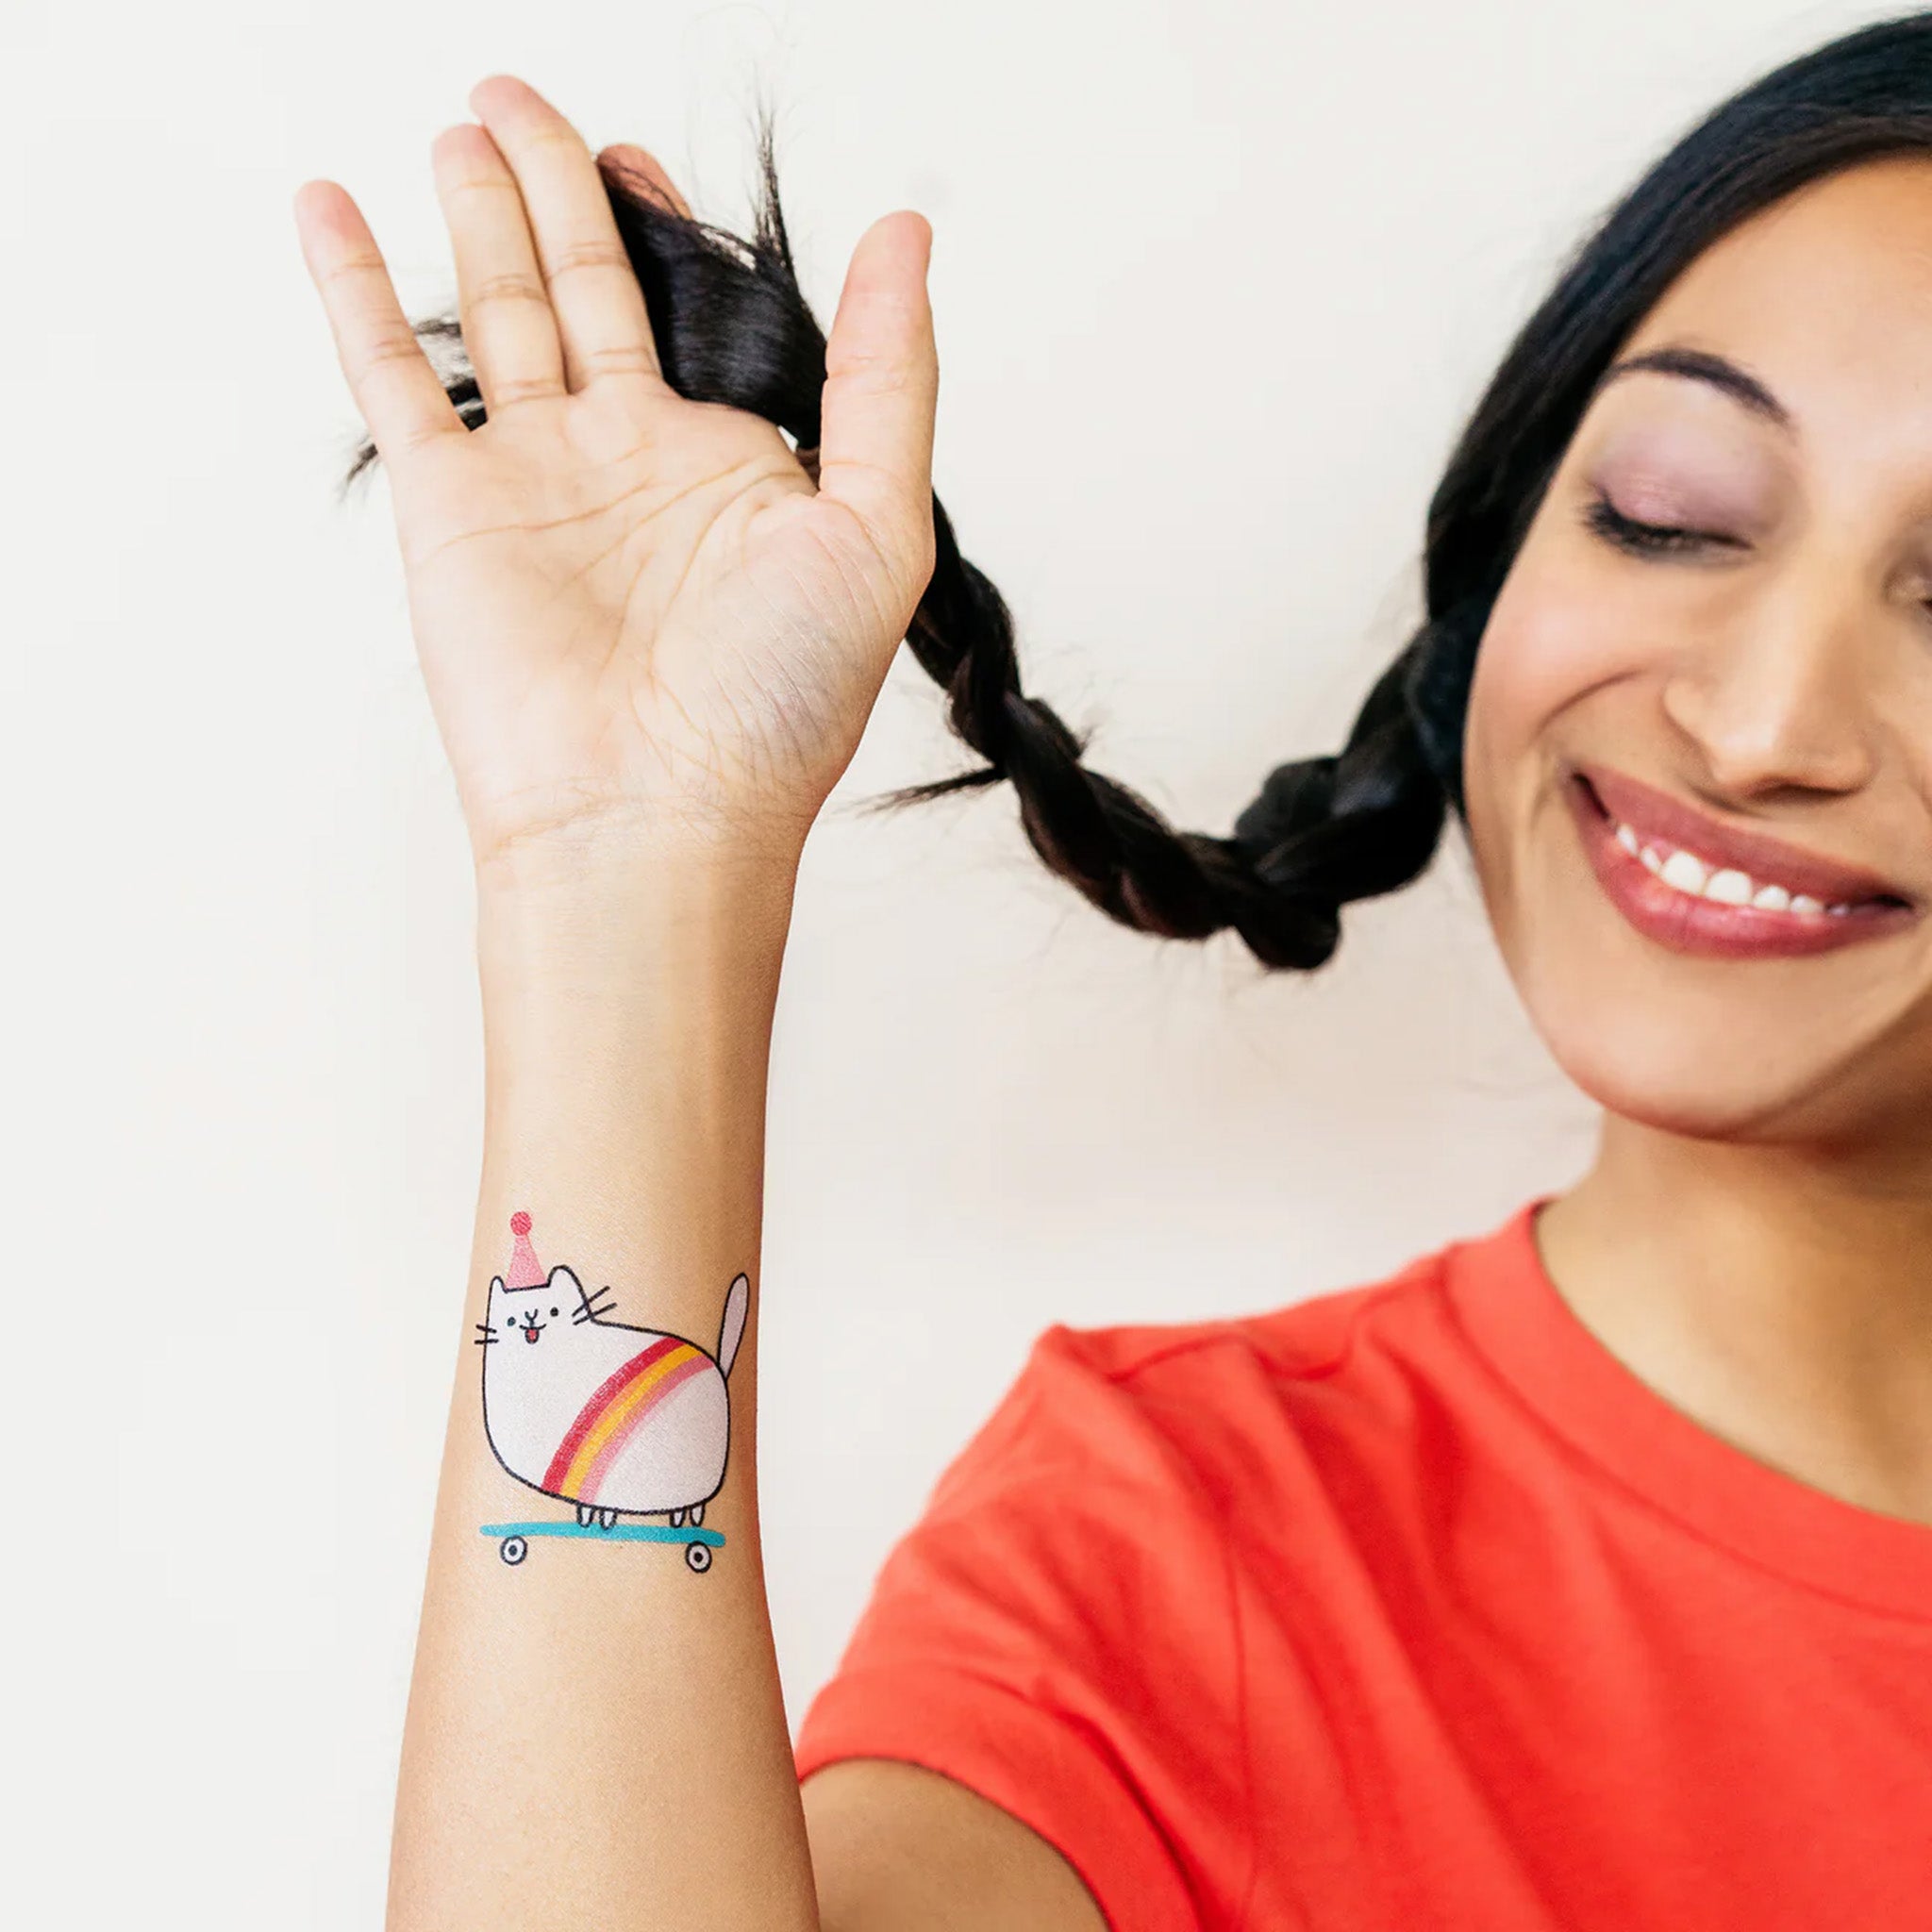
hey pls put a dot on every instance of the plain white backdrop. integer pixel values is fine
(1215, 286)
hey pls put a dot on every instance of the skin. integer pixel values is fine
(1753, 1237)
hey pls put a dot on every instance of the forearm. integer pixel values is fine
(595, 1735)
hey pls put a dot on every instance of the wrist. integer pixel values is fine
(606, 846)
(633, 915)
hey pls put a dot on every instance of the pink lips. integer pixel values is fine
(1659, 815)
(1686, 924)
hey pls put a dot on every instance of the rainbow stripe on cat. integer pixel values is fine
(614, 1414)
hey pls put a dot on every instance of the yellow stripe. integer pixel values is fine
(612, 1417)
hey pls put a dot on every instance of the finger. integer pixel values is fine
(882, 390)
(593, 290)
(508, 330)
(643, 170)
(395, 386)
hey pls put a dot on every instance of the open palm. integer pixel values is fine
(634, 611)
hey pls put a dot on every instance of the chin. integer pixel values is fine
(1674, 1095)
(1715, 1071)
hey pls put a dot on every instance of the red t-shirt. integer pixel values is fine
(1407, 1606)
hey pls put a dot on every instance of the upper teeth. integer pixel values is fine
(1725, 884)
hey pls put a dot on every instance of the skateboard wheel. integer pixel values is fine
(515, 1549)
(698, 1556)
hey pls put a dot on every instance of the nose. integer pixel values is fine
(1783, 698)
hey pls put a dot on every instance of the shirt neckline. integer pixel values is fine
(1510, 1309)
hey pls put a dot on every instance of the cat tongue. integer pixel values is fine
(531, 1333)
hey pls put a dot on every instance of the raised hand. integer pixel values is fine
(636, 614)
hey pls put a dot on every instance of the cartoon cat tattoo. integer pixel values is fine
(614, 1419)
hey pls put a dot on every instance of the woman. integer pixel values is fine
(1578, 1576)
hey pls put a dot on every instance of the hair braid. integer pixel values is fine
(1278, 881)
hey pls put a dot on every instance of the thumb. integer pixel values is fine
(881, 391)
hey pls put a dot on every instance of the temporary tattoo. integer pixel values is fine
(618, 1420)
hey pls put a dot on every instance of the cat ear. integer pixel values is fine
(561, 1274)
(496, 1284)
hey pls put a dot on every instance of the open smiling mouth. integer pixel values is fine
(1697, 896)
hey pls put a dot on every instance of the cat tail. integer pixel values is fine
(737, 1301)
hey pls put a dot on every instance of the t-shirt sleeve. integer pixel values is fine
(1055, 1633)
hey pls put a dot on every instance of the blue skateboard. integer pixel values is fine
(698, 1543)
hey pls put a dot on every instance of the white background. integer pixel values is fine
(1216, 286)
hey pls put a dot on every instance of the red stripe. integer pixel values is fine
(587, 1416)
(676, 1378)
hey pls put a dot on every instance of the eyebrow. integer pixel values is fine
(1702, 365)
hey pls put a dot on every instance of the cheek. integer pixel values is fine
(1549, 644)
(1553, 638)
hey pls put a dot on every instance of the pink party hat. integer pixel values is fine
(526, 1271)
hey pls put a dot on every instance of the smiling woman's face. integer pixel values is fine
(1758, 700)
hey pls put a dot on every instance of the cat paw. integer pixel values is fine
(606, 1519)
(584, 1515)
(676, 1519)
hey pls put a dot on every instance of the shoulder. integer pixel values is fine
(1152, 1397)
(1310, 1337)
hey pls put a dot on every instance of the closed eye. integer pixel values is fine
(1603, 517)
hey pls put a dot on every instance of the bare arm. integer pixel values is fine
(651, 641)
(899, 1849)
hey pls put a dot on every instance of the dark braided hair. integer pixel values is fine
(732, 327)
